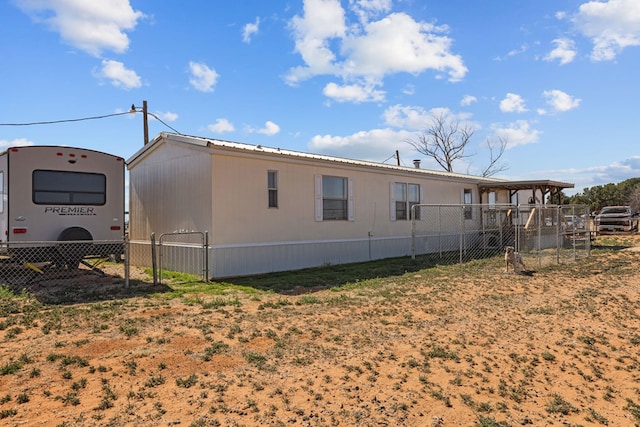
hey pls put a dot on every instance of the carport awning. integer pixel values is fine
(544, 187)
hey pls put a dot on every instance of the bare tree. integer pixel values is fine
(496, 150)
(445, 141)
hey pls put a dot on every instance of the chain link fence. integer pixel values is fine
(541, 234)
(33, 265)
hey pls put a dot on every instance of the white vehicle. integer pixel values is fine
(60, 194)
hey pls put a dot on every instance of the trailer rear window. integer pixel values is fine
(68, 188)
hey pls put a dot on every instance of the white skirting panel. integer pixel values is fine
(238, 260)
(245, 260)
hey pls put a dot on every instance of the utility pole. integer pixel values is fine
(145, 121)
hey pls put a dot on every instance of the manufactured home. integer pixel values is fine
(60, 194)
(269, 209)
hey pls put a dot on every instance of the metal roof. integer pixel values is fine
(249, 148)
(524, 185)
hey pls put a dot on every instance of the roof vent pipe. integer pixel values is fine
(416, 163)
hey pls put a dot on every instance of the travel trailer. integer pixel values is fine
(53, 196)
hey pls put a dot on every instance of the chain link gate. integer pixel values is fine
(186, 252)
(542, 234)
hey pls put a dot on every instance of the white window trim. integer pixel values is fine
(351, 216)
(464, 203)
(392, 199)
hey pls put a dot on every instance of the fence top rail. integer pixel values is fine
(180, 233)
(498, 205)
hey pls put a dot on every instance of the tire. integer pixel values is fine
(69, 255)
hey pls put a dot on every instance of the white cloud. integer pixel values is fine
(407, 117)
(612, 26)
(513, 103)
(560, 101)
(367, 9)
(517, 133)
(92, 26)
(417, 118)
(202, 78)
(270, 128)
(353, 93)
(368, 50)
(221, 126)
(323, 20)
(397, 43)
(18, 142)
(521, 49)
(468, 100)
(409, 89)
(596, 175)
(373, 145)
(404, 123)
(564, 51)
(118, 75)
(249, 30)
(168, 116)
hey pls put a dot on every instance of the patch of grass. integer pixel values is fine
(155, 381)
(490, 422)
(13, 332)
(345, 276)
(188, 382)
(130, 326)
(70, 398)
(441, 353)
(221, 302)
(6, 413)
(215, 348)
(549, 357)
(560, 406)
(256, 359)
(11, 367)
(633, 408)
(274, 304)
(308, 299)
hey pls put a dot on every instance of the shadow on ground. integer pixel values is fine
(327, 277)
(75, 286)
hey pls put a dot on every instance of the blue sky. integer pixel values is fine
(556, 79)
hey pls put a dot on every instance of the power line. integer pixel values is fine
(52, 122)
(160, 120)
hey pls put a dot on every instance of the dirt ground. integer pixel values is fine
(448, 346)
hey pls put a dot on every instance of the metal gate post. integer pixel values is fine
(413, 234)
(154, 265)
(206, 256)
(127, 262)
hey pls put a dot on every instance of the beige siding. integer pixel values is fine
(241, 213)
(170, 191)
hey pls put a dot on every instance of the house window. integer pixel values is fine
(405, 196)
(467, 200)
(492, 199)
(272, 188)
(334, 198)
